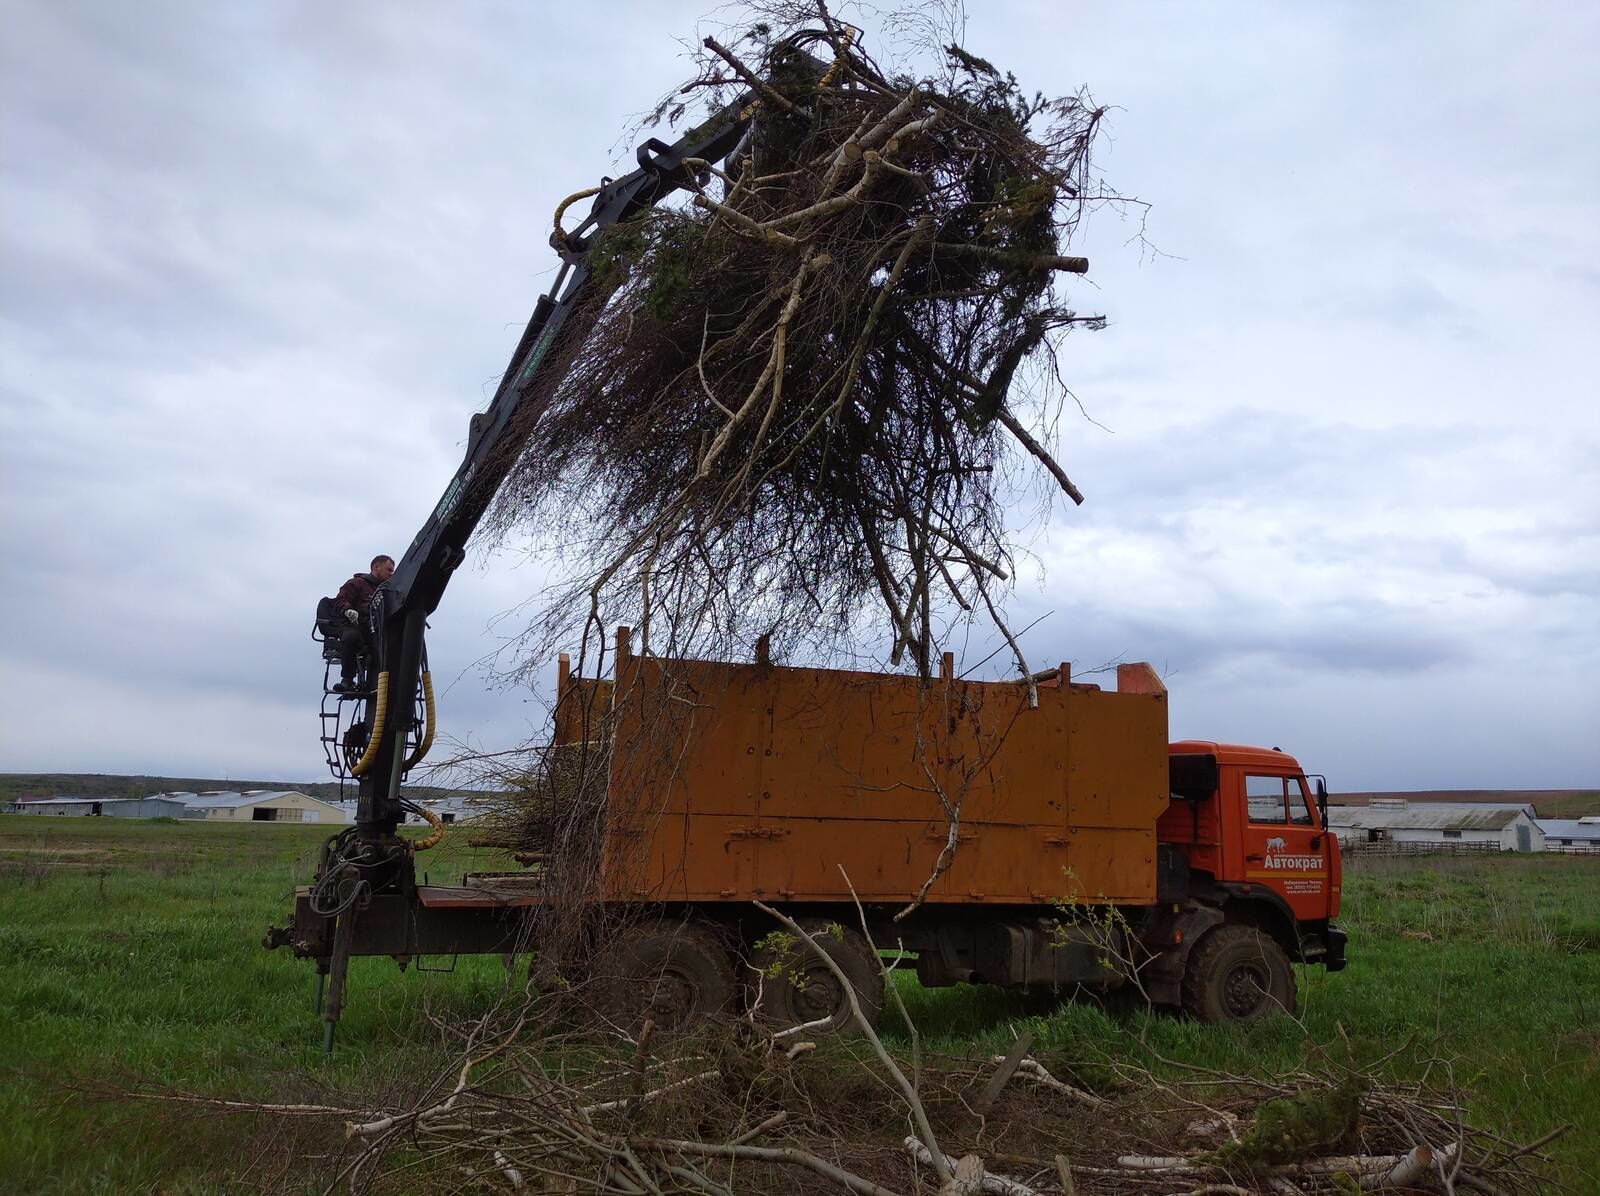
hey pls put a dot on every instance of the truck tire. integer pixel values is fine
(670, 973)
(796, 987)
(1237, 974)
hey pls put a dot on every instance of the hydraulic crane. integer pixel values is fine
(371, 858)
(399, 611)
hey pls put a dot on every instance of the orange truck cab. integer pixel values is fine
(1250, 827)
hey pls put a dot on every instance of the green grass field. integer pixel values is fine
(130, 956)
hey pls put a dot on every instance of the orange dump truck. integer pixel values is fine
(1041, 835)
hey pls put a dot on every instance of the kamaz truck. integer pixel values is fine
(1033, 835)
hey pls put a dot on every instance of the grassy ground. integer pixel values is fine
(129, 954)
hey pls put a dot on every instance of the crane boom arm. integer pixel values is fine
(400, 611)
(424, 571)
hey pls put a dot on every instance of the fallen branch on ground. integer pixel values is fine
(1035, 1071)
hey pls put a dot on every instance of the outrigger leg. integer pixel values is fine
(338, 965)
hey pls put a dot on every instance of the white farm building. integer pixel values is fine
(108, 807)
(259, 805)
(1583, 833)
(1510, 827)
(458, 807)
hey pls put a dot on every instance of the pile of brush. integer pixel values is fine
(802, 389)
(748, 1106)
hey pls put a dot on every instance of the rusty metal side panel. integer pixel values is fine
(1117, 789)
(859, 763)
(1007, 760)
(690, 736)
(888, 861)
(733, 781)
(860, 745)
(844, 745)
(1108, 865)
(689, 750)
(706, 857)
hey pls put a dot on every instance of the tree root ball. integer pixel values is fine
(801, 398)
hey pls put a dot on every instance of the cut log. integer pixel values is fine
(1421, 1163)
(998, 1185)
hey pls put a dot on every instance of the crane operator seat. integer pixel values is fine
(329, 630)
(329, 626)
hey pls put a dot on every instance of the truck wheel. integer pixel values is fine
(671, 973)
(796, 987)
(1237, 974)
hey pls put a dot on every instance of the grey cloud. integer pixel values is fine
(1352, 637)
(260, 261)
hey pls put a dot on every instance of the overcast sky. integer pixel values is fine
(260, 262)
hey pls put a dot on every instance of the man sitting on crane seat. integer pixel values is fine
(351, 602)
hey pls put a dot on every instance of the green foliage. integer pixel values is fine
(669, 245)
(1295, 1128)
(1022, 208)
(1107, 927)
(970, 62)
(780, 946)
(987, 89)
(616, 250)
(789, 955)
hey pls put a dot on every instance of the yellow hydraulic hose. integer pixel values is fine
(434, 839)
(379, 709)
(427, 730)
(561, 208)
(845, 39)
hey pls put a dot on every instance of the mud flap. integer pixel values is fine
(1334, 959)
(1170, 940)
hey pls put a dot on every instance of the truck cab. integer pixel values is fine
(1251, 826)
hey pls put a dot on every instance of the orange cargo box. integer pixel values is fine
(736, 781)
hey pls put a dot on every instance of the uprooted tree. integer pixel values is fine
(798, 403)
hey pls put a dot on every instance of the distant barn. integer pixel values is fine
(104, 807)
(1577, 834)
(457, 807)
(1509, 827)
(259, 805)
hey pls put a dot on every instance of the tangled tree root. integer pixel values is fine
(804, 398)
